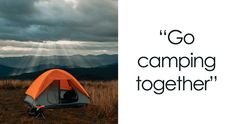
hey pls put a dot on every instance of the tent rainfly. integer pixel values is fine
(56, 88)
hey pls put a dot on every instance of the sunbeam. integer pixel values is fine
(49, 48)
(46, 53)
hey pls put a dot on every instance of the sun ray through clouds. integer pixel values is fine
(47, 53)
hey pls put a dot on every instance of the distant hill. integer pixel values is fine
(27, 62)
(108, 72)
(19, 71)
(83, 67)
(4, 70)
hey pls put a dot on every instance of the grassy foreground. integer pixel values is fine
(102, 110)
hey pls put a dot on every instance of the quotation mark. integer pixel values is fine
(162, 32)
(213, 78)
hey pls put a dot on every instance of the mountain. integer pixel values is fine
(108, 72)
(86, 67)
(68, 61)
(4, 70)
(19, 71)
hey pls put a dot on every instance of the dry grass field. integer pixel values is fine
(102, 110)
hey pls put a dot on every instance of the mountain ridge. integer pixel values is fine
(108, 72)
(70, 61)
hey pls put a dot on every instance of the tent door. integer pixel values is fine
(69, 96)
(53, 94)
(75, 90)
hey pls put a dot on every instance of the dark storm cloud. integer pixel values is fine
(37, 20)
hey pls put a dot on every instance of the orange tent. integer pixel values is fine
(44, 80)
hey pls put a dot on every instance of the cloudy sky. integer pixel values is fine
(47, 27)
